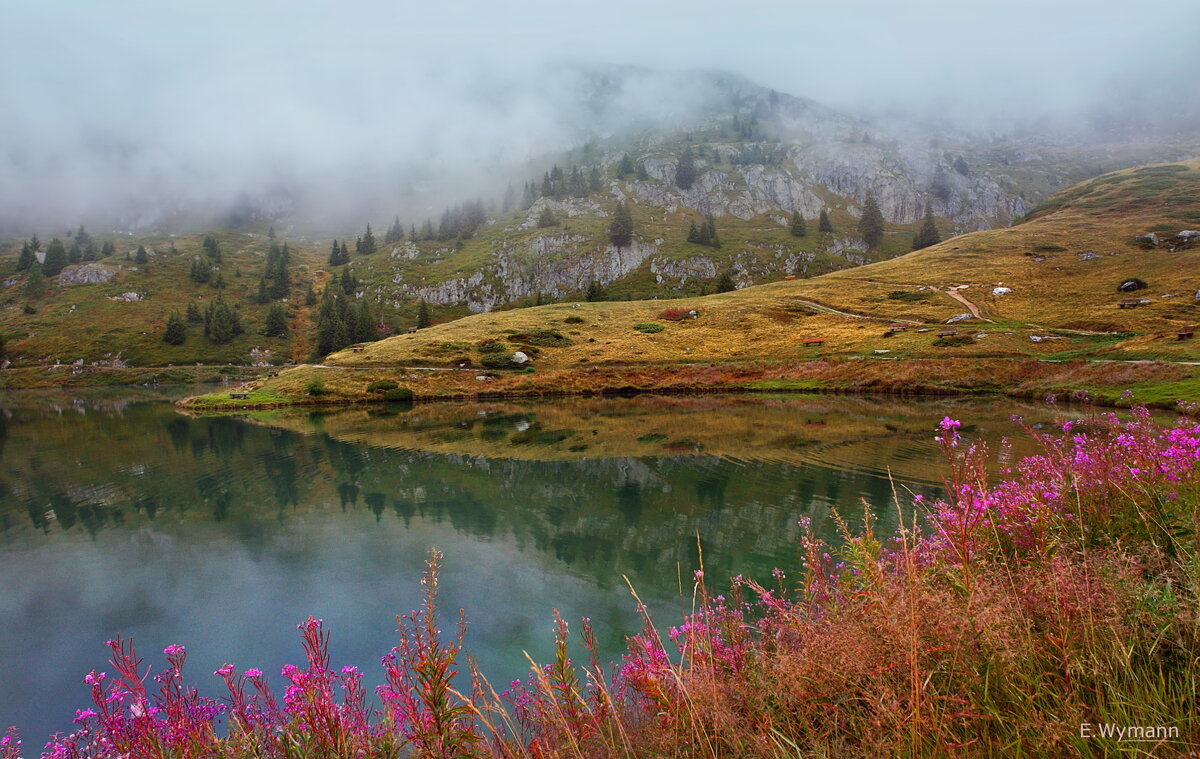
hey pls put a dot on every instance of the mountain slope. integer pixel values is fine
(892, 309)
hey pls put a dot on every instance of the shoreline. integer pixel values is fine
(1154, 384)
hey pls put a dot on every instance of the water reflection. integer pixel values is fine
(118, 515)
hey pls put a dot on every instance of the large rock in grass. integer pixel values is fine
(87, 274)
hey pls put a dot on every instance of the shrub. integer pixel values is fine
(546, 337)
(315, 388)
(909, 296)
(398, 395)
(649, 327)
(954, 342)
(381, 386)
(1049, 248)
(676, 314)
(573, 320)
(496, 361)
(490, 346)
(1131, 284)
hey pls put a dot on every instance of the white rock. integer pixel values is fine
(520, 358)
(1001, 290)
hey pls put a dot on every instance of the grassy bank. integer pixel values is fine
(96, 376)
(1050, 614)
(1156, 383)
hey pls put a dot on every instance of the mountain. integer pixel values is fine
(1105, 270)
(758, 156)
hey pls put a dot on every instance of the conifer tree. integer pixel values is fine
(141, 257)
(74, 253)
(725, 283)
(620, 229)
(798, 228)
(176, 331)
(220, 326)
(595, 291)
(271, 233)
(824, 224)
(276, 323)
(625, 167)
(28, 257)
(310, 296)
(685, 170)
(595, 183)
(693, 234)
(928, 233)
(338, 256)
(364, 323)
(193, 314)
(35, 282)
(35, 243)
(709, 231)
(870, 224)
(89, 251)
(547, 218)
(642, 174)
(56, 258)
(212, 248)
(107, 249)
(368, 242)
(423, 317)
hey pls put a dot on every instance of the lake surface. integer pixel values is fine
(119, 515)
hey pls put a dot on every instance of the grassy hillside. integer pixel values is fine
(1063, 305)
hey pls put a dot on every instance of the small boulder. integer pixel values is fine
(1188, 235)
(959, 318)
(519, 358)
(1087, 255)
(87, 274)
(1001, 290)
(1147, 241)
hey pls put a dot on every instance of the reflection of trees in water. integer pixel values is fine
(604, 517)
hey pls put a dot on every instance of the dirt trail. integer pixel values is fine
(974, 309)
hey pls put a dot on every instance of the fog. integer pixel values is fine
(156, 112)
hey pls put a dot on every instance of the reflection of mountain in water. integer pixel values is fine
(736, 472)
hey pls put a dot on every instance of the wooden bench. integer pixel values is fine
(811, 341)
(357, 349)
(1129, 304)
(239, 396)
(947, 333)
(1185, 334)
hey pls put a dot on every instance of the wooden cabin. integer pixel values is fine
(813, 341)
(1129, 304)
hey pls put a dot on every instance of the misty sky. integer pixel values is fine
(123, 97)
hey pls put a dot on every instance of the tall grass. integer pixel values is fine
(995, 623)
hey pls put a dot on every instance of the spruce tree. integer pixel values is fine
(870, 225)
(725, 283)
(35, 243)
(368, 242)
(221, 324)
(595, 183)
(798, 228)
(35, 282)
(310, 296)
(709, 231)
(56, 258)
(693, 234)
(625, 167)
(74, 253)
(641, 173)
(824, 224)
(620, 229)
(928, 234)
(685, 170)
(595, 291)
(193, 314)
(547, 218)
(141, 257)
(28, 257)
(364, 323)
(423, 317)
(276, 323)
(176, 331)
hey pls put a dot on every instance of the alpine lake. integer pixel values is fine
(120, 515)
